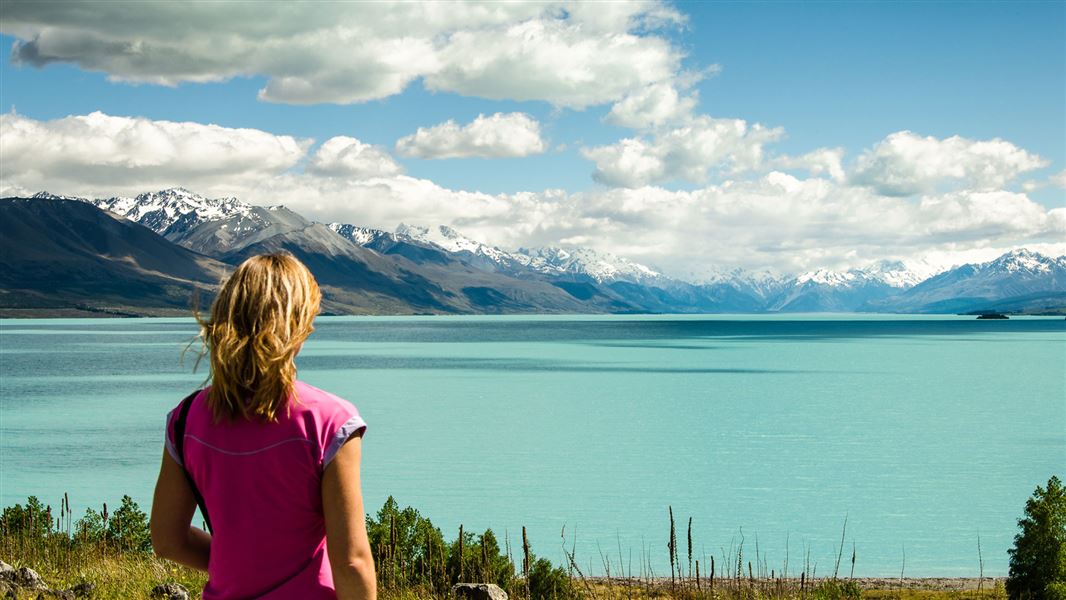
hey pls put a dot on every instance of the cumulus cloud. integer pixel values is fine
(779, 220)
(568, 54)
(686, 152)
(653, 106)
(497, 136)
(551, 59)
(905, 164)
(1057, 180)
(98, 152)
(823, 161)
(349, 157)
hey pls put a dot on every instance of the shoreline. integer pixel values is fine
(936, 584)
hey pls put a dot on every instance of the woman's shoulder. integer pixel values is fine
(316, 399)
(334, 419)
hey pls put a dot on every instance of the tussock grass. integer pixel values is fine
(112, 552)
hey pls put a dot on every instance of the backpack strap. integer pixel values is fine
(179, 445)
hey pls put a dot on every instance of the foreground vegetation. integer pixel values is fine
(109, 555)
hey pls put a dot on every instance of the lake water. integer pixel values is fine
(924, 432)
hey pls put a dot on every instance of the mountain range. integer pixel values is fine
(148, 254)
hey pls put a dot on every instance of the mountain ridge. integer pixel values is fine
(469, 276)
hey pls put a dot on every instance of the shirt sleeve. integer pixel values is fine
(339, 427)
(168, 436)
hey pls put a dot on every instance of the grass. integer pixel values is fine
(112, 552)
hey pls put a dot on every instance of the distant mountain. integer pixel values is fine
(600, 267)
(357, 279)
(212, 226)
(551, 261)
(440, 270)
(824, 290)
(384, 242)
(224, 234)
(1017, 276)
(64, 254)
(159, 211)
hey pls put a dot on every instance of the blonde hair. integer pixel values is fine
(259, 320)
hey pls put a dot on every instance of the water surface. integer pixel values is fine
(924, 432)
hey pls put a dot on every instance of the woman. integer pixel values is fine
(275, 460)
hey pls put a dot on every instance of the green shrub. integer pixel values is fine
(128, 527)
(548, 583)
(91, 528)
(33, 520)
(1038, 559)
(1055, 591)
(837, 589)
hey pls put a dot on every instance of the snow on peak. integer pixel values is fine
(1023, 260)
(585, 261)
(360, 235)
(451, 240)
(159, 210)
(901, 274)
(829, 278)
(43, 195)
(893, 273)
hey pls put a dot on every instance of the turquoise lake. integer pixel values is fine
(924, 432)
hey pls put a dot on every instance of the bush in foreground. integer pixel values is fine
(1038, 559)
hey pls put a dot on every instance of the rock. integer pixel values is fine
(479, 591)
(7, 572)
(28, 578)
(170, 591)
(83, 590)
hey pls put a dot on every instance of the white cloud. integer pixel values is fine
(687, 152)
(497, 136)
(905, 163)
(347, 156)
(776, 220)
(553, 60)
(1057, 180)
(653, 106)
(823, 161)
(98, 152)
(570, 54)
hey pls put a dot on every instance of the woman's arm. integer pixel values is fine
(172, 510)
(346, 538)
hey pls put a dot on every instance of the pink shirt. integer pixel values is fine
(262, 484)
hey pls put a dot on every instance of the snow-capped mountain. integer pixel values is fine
(159, 211)
(902, 274)
(471, 251)
(846, 291)
(1017, 276)
(600, 266)
(211, 226)
(363, 236)
(44, 195)
(226, 229)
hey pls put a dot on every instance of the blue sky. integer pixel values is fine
(830, 75)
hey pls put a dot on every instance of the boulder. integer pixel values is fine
(170, 591)
(28, 578)
(479, 591)
(7, 572)
(83, 590)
